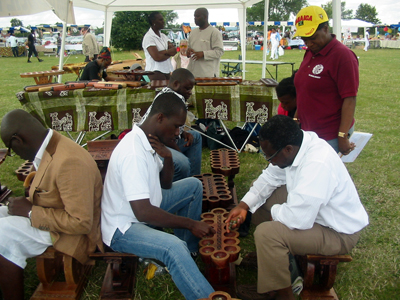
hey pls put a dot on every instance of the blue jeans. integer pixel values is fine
(335, 143)
(183, 199)
(187, 162)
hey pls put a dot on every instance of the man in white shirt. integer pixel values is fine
(205, 47)
(12, 40)
(186, 149)
(320, 213)
(139, 195)
(366, 40)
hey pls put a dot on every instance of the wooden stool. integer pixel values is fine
(49, 266)
(101, 152)
(119, 280)
(323, 268)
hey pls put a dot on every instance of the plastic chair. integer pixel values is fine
(232, 70)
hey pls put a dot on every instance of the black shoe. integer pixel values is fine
(29, 61)
(40, 60)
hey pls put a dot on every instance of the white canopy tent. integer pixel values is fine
(353, 25)
(111, 6)
(62, 8)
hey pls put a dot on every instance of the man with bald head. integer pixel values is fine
(63, 207)
(205, 47)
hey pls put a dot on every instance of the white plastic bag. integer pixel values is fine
(281, 52)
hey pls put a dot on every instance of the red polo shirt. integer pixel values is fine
(322, 82)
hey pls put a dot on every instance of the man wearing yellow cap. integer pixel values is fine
(326, 82)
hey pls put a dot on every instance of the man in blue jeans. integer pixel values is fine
(186, 149)
(139, 195)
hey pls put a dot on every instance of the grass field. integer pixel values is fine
(375, 270)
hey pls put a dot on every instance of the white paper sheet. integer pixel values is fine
(360, 139)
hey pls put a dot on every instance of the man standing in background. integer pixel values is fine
(12, 40)
(366, 40)
(205, 47)
(32, 48)
(89, 45)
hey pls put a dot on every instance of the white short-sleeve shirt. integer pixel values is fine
(133, 174)
(161, 42)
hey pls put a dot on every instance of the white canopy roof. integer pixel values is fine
(154, 5)
(353, 24)
(63, 9)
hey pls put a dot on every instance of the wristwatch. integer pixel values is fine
(343, 135)
(29, 214)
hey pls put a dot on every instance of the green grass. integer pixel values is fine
(374, 272)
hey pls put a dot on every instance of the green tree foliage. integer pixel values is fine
(129, 27)
(346, 13)
(279, 10)
(367, 13)
(16, 22)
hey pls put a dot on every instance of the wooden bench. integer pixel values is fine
(319, 274)
(119, 280)
(52, 284)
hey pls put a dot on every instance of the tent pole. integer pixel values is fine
(336, 18)
(265, 47)
(61, 58)
(243, 37)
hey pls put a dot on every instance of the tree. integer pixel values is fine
(346, 13)
(16, 22)
(129, 27)
(367, 13)
(279, 10)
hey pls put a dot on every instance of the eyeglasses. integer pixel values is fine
(273, 155)
(9, 144)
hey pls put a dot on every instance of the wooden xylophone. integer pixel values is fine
(42, 77)
(210, 81)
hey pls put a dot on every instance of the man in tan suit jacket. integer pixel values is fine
(63, 208)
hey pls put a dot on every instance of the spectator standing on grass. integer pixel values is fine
(12, 40)
(31, 46)
(90, 48)
(58, 44)
(158, 49)
(366, 40)
(326, 82)
(275, 39)
(304, 202)
(205, 47)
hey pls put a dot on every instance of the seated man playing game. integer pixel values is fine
(310, 200)
(63, 207)
(96, 69)
(186, 149)
(139, 195)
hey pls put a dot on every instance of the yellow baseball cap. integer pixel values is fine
(308, 19)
